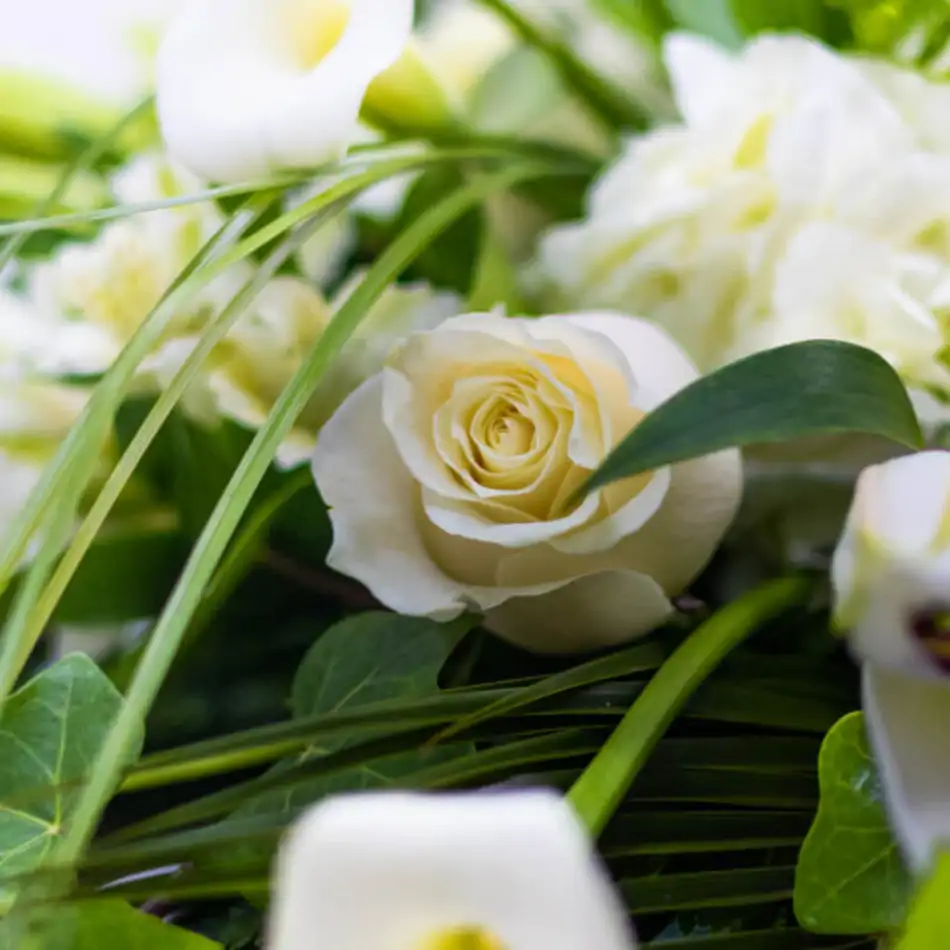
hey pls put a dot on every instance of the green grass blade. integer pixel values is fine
(606, 781)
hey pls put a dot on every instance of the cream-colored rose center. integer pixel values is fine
(314, 28)
(463, 938)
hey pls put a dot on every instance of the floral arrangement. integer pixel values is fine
(474, 474)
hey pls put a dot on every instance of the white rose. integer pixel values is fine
(892, 585)
(268, 344)
(246, 88)
(698, 225)
(451, 479)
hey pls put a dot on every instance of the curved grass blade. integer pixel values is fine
(606, 781)
(805, 389)
(642, 658)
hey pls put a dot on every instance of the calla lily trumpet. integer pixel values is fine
(475, 871)
(246, 87)
(892, 582)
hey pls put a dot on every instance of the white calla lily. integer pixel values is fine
(249, 86)
(892, 582)
(492, 871)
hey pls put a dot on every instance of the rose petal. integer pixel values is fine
(592, 612)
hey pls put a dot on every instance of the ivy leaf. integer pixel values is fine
(94, 925)
(851, 878)
(50, 733)
(364, 659)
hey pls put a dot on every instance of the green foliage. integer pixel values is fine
(712, 18)
(850, 878)
(805, 389)
(907, 27)
(929, 922)
(101, 924)
(50, 733)
(365, 659)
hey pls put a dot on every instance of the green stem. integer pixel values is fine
(599, 791)
(106, 771)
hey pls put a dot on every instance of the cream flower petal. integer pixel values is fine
(376, 536)
(463, 521)
(907, 725)
(249, 86)
(590, 613)
(394, 871)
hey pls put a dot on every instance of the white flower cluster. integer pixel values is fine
(805, 195)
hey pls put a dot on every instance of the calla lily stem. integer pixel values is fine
(599, 791)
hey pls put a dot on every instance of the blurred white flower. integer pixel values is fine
(451, 478)
(35, 414)
(102, 290)
(269, 343)
(892, 584)
(246, 88)
(103, 48)
(797, 200)
(479, 871)
(462, 40)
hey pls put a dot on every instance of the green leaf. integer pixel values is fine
(98, 924)
(712, 18)
(757, 16)
(605, 783)
(929, 921)
(806, 389)
(127, 574)
(364, 659)
(50, 733)
(851, 879)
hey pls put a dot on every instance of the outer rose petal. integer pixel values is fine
(376, 537)
(234, 105)
(593, 612)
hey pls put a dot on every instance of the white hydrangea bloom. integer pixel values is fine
(269, 343)
(801, 197)
(35, 415)
(102, 290)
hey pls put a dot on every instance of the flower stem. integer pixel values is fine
(599, 791)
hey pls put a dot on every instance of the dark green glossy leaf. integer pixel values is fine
(805, 389)
(50, 733)
(851, 879)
